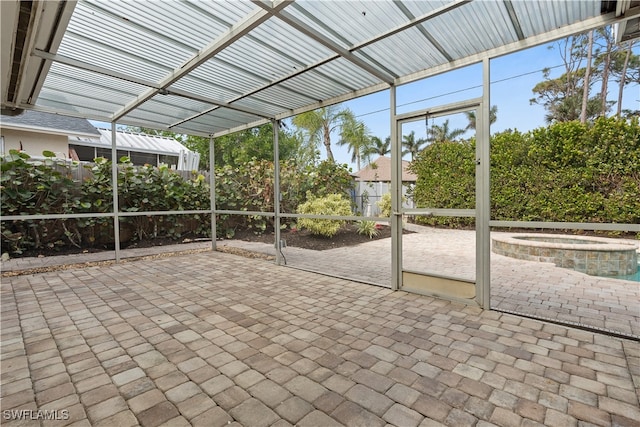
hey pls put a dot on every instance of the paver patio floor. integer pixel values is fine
(536, 289)
(216, 339)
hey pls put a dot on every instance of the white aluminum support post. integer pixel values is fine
(114, 191)
(276, 190)
(396, 196)
(483, 196)
(212, 191)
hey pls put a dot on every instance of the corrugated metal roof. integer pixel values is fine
(245, 62)
(134, 142)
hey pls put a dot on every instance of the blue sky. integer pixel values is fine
(513, 78)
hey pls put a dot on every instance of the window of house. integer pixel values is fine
(141, 159)
(85, 154)
(106, 153)
(172, 161)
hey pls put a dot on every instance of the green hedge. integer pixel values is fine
(567, 172)
(48, 187)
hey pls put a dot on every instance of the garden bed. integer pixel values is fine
(346, 236)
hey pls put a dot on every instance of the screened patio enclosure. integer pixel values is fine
(211, 68)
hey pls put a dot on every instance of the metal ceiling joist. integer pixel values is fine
(514, 19)
(326, 42)
(288, 56)
(152, 85)
(411, 23)
(629, 27)
(568, 30)
(234, 33)
(355, 93)
(61, 59)
(423, 31)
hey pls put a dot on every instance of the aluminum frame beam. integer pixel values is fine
(232, 35)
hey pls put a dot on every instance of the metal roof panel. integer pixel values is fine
(272, 59)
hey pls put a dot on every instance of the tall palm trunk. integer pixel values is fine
(327, 142)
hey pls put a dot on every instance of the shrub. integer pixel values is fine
(333, 204)
(385, 205)
(141, 189)
(250, 187)
(38, 187)
(565, 172)
(367, 228)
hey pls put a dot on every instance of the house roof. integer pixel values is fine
(134, 142)
(380, 170)
(212, 68)
(37, 121)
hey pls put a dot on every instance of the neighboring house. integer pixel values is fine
(34, 132)
(140, 148)
(374, 180)
(76, 139)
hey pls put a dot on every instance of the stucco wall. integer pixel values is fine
(375, 191)
(34, 143)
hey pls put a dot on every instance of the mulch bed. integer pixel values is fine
(347, 236)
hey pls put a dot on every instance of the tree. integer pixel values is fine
(608, 43)
(355, 135)
(411, 145)
(570, 97)
(626, 67)
(379, 147)
(442, 133)
(562, 96)
(241, 147)
(471, 116)
(587, 75)
(317, 125)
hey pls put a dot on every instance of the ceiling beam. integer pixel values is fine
(156, 87)
(514, 19)
(405, 10)
(559, 33)
(326, 42)
(233, 34)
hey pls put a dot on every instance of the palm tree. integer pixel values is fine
(378, 147)
(355, 135)
(442, 133)
(471, 116)
(411, 145)
(318, 125)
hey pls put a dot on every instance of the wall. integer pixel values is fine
(374, 191)
(34, 143)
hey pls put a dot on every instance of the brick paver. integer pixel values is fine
(215, 339)
(532, 288)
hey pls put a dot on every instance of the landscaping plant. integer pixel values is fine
(332, 204)
(367, 228)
